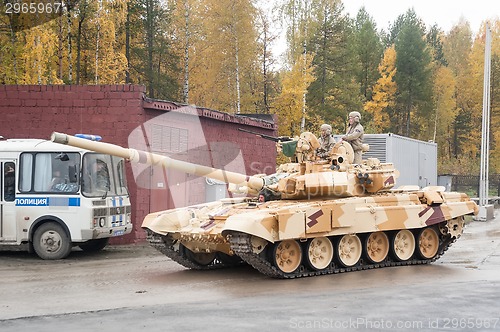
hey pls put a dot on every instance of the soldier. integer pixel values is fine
(354, 135)
(326, 140)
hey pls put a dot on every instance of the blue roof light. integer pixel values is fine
(89, 137)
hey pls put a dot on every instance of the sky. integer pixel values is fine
(444, 13)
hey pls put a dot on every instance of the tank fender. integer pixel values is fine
(440, 212)
(165, 222)
(174, 220)
(261, 224)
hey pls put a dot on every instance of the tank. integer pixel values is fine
(312, 217)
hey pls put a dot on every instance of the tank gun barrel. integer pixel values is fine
(271, 138)
(137, 156)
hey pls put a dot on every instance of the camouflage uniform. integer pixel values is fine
(354, 135)
(326, 146)
(326, 142)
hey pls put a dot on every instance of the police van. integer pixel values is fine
(54, 197)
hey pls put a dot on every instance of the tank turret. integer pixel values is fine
(310, 176)
(319, 216)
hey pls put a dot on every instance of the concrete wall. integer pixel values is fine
(115, 112)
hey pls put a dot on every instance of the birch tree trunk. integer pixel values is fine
(127, 44)
(238, 92)
(185, 90)
(13, 43)
(70, 54)
(98, 32)
(59, 49)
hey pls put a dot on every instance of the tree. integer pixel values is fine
(10, 51)
(40, 44)
(381, 107)
(296, 18)
(413, 76)
(434, 40)
(368, 48)
(335, 90)
(265, 40)
(187, 43)
(153, 61)
(446, 112)
(457, 46)
(83, 11)
(289, 102)
(110, 62)
(457, 49)
(476, 89)
(224, 59)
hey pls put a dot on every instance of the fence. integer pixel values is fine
(470, 184)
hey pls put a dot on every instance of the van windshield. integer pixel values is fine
(103, 175)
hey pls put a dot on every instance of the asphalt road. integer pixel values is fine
(129, 288)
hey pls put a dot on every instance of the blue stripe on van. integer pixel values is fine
(47, 201)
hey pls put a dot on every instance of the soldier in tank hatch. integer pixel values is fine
(354, 135)
(326, 141)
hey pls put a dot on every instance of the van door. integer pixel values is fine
(8, 200)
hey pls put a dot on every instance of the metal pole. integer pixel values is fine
(485, 139)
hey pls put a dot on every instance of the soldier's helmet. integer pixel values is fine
(355, 115)
(327, 128)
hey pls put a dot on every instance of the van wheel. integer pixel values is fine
(94, 245)
(50, 241)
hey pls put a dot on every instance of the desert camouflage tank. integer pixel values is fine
(318, 216)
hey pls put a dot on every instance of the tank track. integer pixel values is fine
(169, 247)
(241, 245)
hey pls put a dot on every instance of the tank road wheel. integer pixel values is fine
(377, 247)
(200, 258)
(50, 241)
(287, 255)
(349, 250)
(403, 245)
(428, 243)
(319, 252)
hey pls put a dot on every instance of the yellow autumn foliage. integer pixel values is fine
(40, 45)
(384, 93)
(290, 102)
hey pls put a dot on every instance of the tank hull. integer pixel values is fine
(297, 238)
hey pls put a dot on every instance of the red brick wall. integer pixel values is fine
(35, 111)
(113, 112)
